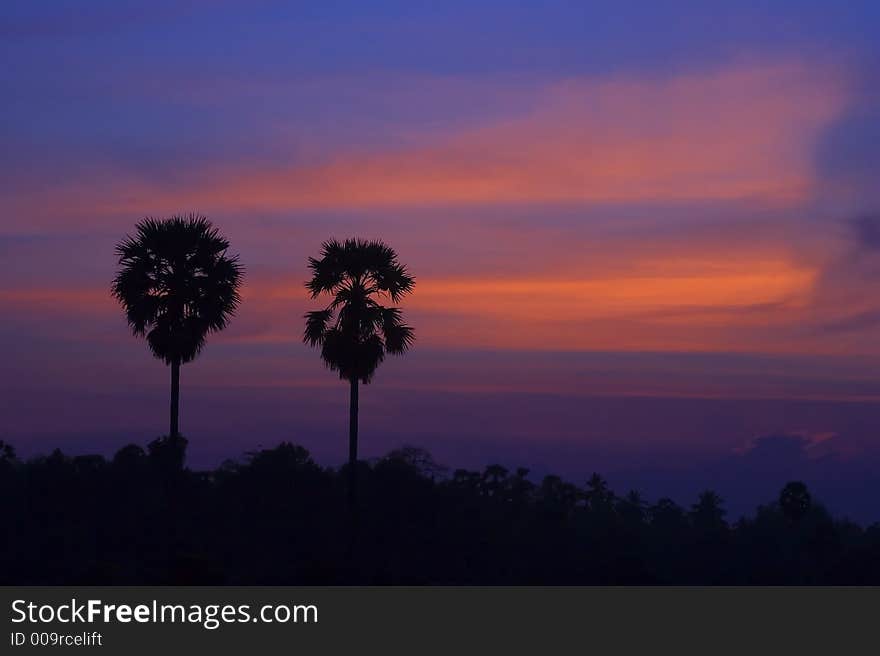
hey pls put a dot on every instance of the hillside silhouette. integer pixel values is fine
(277, 517)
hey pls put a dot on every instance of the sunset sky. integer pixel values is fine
(646, 235)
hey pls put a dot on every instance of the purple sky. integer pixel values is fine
(647, 239)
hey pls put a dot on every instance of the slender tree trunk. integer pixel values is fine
(353, 443)
(175, 397)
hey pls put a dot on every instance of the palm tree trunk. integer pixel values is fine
(352, 442)
(175, 397)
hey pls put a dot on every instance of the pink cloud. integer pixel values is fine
(743, 132)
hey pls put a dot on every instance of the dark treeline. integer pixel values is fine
(279, 518)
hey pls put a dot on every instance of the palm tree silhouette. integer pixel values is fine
(176, 284)
(355, 331)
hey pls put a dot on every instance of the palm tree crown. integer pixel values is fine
(355, 331)
(177, 284)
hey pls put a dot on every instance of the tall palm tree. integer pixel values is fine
(355, 331)
(177, 285)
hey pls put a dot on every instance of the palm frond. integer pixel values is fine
(354, 331)
(398, 336)
(176, 283)
(316, 326)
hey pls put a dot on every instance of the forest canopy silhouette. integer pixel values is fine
(278, 517)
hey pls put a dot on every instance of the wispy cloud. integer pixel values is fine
(743, 132)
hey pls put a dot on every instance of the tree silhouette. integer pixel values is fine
(176, 284)
(494, 480)
(632, 508)
(275, 516)
(707, 514)
(355, 331)
(598, 497)
(7, 452)
(795, 500)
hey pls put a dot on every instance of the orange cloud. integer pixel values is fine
(703, 309)
(751, 283)
(743, 132)
(691, 300)
(695, 299)
(65, 300)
